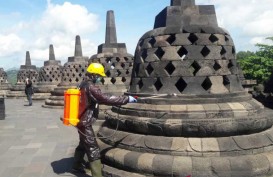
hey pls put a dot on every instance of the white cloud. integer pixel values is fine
(249, 20)
(58, 25)
(10, 44)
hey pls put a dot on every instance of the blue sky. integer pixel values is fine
(32, 25)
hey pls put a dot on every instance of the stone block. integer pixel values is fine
(210, 145)
(241, 166)
(201, 167)
(181, 39)
(131, 160)
(170, 54)
(145, 162)
(221, 167)
(179, 144)
(162, 169)
(227, 144)
(195, 144)
(156, 143)
(182, 166)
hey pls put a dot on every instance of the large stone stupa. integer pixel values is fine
(117, 62)
(73, 73)
(26, 71)
(5, 86)
(50, 76)
(193, 117)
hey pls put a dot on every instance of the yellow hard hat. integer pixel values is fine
(96, 68)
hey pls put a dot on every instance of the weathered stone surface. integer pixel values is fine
(5, 86)
(73, 73)
(50, 76)
(26, 71)
(191, 103)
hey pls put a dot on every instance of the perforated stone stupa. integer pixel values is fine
(4, 84)
(50, 76)
(117, 62)
(193, 117)
(73, 73)
(26, 71)
(114, 57)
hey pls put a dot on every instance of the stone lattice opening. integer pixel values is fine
(205, 51)
(152, 41)
(193, 38)
(226, 82)
(108, 60)
(182, 51)
(230, 64)
(170, 68)
(206, 84)
(213, 38)
(113, 80)
(223, 51)
(216, 66)
(195, 67)
(149, 69)
(141, 43)
(159, 53)
(233, 50)
(123, 79)
(118, 59)
(102, 80)
(118, 72)
(226, 39)
(144, 54)
(122, 65)
(181, 85)
(171, 39)
(158, 84)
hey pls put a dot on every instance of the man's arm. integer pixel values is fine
(107, 99)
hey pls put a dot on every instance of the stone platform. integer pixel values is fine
(34, 142)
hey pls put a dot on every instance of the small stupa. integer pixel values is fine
(26, 71)
(50, 76)
(73, 73)
(5, 86)
(117, 62)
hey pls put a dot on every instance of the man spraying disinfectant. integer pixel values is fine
(90, 98)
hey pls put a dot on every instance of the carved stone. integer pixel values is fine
(26, 71)
(193, 117)
(73, 73)
(50, 76)
(117, 62)
(5, 86)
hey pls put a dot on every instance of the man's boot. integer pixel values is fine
(96, 168)
(78, 165)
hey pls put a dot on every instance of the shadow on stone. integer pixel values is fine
(64, 166)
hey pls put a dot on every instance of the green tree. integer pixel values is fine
(258, 65)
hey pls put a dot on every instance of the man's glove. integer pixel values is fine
(132, 99)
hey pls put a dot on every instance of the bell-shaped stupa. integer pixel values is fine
(50, 76)
(5, 86)
(26, 71)
(73, 73)
(193, 117)
(117, 62)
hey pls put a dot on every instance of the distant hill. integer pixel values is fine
(12, 75)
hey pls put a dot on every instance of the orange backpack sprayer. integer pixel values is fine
(71, 107)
